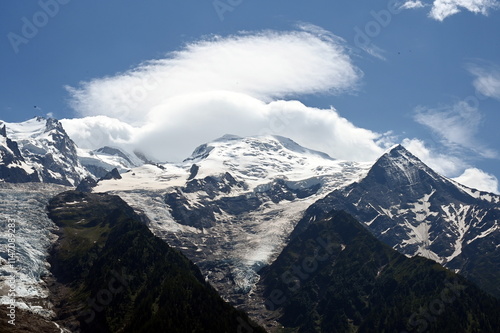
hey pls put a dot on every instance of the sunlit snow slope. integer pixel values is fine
(232, 205)
(45, 147)
(24, 205)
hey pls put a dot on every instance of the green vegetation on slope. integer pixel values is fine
(119, 277)
(336, 277)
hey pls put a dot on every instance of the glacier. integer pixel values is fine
(25, 206)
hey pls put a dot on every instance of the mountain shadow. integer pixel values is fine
(113, 275)
(335, 276)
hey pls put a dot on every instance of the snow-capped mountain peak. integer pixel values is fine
(243, 193)
(13, 167)
(401, 167)
(100, 161)
(45, 147)
(25, 130)
(412, 208)
(253, 145)
(258, 159)
(233, 205)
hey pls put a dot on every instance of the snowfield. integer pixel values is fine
(238, 244)
(25, 206)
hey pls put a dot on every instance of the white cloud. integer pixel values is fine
(174, 129)
(444, 164)
(98, 131)
(441, 9)
(479, 179)
(487, 79)
(233, 85)
(265, 65)
(457, 126)
(374, 51)
(412, 4)
(450, 165)
(236, 85)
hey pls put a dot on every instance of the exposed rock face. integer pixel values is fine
(418, 212)
(13, 167)
(41, 148)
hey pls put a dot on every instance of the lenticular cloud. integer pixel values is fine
(264, 65)
(236, 85)
(242, 85)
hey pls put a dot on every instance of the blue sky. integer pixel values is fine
(425, 74)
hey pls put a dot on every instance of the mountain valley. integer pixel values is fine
(243, 211)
